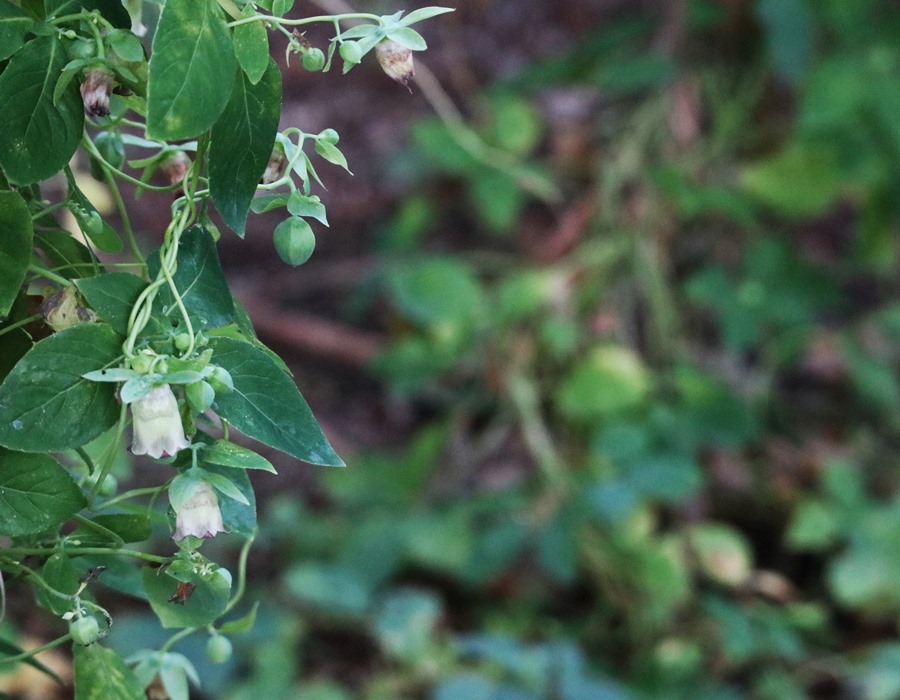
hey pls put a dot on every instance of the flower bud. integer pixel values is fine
(199, 515)
(200, 396)
(157, 424)
(176, 166)
(313, 60)
(84, 630)
(351, 53)
(396, 60)
(95, 92)
(277, 165)
(218, 649)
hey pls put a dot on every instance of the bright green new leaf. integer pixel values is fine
(331, 153)
(112, 295)
(251, 46)
(191, 70)
(46, 405)
(423, 13)
(611, 379)
(38, 136)
(200, 281)
(239, 517)
(242, 624)
(16, 235)
(266, 406)
(36, 493)
(407, 37)
(242, 142)
(101, 674)
(14, 25)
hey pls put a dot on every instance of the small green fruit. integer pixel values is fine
(294, 241)
(218, 649)
(183, 341)
(200, 396)
(220, 380)
(84, 630)
(313, 60)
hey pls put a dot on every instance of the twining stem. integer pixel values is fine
(110, 455)
(19, 324)
(126, 220)
(109, 167)
(79, 551)
(128, 495)
(305, 20)
(97, 527)
(52, 276)
(34, 652)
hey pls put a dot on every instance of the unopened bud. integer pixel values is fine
(95, 92)
(313, 60)
(350, 53)
(176, 166)
(396, 60)
(277, 165)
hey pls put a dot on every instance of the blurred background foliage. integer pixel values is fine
(611, 353)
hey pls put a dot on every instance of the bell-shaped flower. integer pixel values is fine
(157, 425)
(199, 515)
(95, 89)
(396, 60)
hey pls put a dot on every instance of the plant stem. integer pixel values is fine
(34, 652)
(97, 527)
(52, 276)
(19, 324)
(79, 551)
(305, 20)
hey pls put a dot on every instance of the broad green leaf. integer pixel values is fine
(191, 70)
(200, 281)
(228, 454)
(58, 573)
(14, 25)
(424, 13)
(112, 295)
(131, 528)
(251, 46)
(436, 291)
(16, 236)
(101, 674)
(63, 251)
(38, 137)
(45, 404)
(242, 141)
(300, 204)
(126, 45)
(36, 493)
(204, 604)
(612, 378)
(266, 406)
(89, 220)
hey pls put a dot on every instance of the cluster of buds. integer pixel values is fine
(95, 89)
(396, 60)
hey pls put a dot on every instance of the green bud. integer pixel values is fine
(84, 630)
(142, 363)
(221, 381)
(294, 241)
(350, 52)
(183, 341)
(218, 649)
(200, 395)
(81, 48)
(313, 60)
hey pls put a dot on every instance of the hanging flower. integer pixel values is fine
(157, 425)
(199, 515)
(95, 92)
(396, 60)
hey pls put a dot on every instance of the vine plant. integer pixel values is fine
(157, 342)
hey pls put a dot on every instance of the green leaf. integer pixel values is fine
(63, 250)
(424, 13)
(407, 37)
(191, 70)
(242, 624)
(266, 406)
(611, 379)
(251, 46)
(206, 602)
(228, 454)
(38, 137)
(131, 528)
(200, 281)
(101, 674)
(405, 622)
(16, 236)
(112, 10)
(301, 205)
(242, 141)
(224, 486)
(14, 25)
(238, 517)
(126, 45)
(800, 181)
(36, 493)
(112, 295)
(331, 153)
(46, 405)
(92, 225)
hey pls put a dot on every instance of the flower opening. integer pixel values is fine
(199, 515)
(157, 425)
